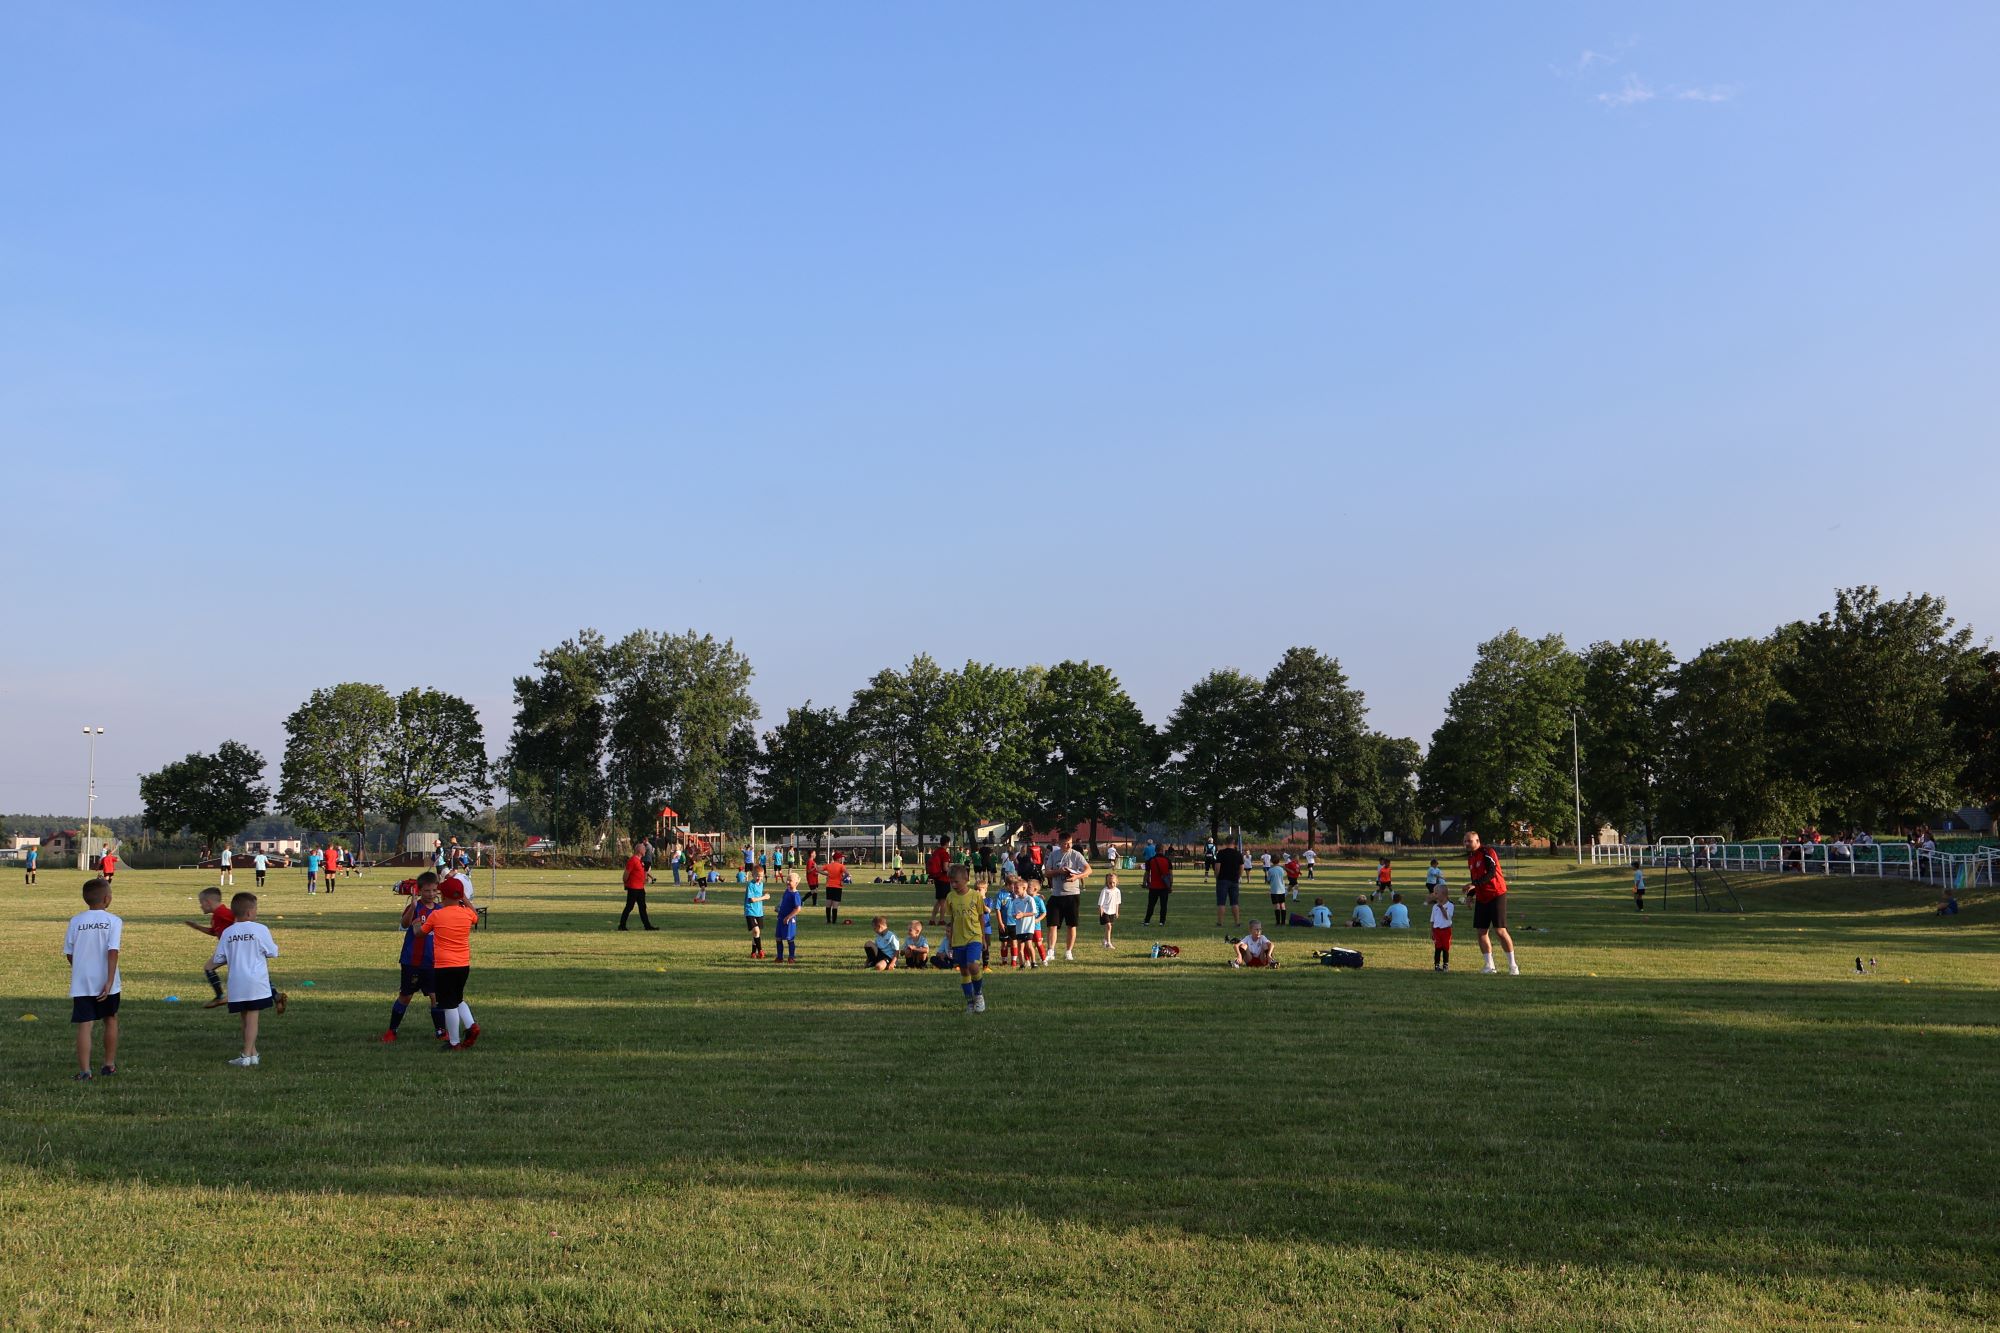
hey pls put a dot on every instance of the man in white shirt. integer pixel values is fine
(224, 871)
(1066, 870)
(91, 946)
(1312, 859)
(248, 948)
(260, 863)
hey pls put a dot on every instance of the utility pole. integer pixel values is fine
(1576, 781)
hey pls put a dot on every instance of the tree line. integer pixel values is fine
(1874, 711)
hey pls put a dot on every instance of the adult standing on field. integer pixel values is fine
(636, 875)
(1066, 870)
(1229, 881)
(1488, 892)
(1159, 883)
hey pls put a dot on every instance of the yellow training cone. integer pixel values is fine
(28, 1018)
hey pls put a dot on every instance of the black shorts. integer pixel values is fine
(941, 887)
(450, 986)
(1062, 909)
(752, 923)
(88, 1008)
(1490, 914)
(833, 894)
(1227, 892)
(417, 980)
(239, 1006)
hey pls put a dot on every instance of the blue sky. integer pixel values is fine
(1163, 335)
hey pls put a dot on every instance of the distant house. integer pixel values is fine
(59, 842)
(273, 846)
(20, 844)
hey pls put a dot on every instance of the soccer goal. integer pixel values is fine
(859, 841)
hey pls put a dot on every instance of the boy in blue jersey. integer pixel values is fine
(788, 919)
(313, 862)
(753, 910)
(1033, 944)
(1003, 911)
(418, 951)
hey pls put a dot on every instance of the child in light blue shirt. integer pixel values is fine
(1364, 915)
(1398, 915)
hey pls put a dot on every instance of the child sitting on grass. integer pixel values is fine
(884, 948)
(220, 918)
(916, 949)
(1255, 949)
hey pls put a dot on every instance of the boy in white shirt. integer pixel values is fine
(91, 946)
(1255, 949)
(1108, 899)
(248, 948)
(1441, 912)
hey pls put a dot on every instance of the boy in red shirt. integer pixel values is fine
(219, 919)
(107, 866)
(836, 887)
(1383, 874)
(450, 928)
(812, 879)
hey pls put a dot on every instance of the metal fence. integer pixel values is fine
(1881, 860)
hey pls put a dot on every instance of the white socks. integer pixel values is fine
(451, 1024)
(464, 1010)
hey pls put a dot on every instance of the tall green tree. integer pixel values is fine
(435, 762)
(1720, 772)
(805, 767)
(335, 769)
(1396, 763)
(555, 758)
(1863, 721)
(1974, 711)
(1501, 758)
(1091, 747)
(895, 719)
(678, 704)
(1215, 742)
(1317, 730)
(1623, 731)
(978, 745)
(213, 796)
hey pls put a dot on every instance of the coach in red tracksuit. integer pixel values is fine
(1488, 891)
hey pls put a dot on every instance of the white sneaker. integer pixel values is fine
(1513, 969)
(979, 1004)
(1489, 970)
(1234, 963)
(244, 1061)
(1069, 955)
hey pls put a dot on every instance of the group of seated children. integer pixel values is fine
(1396, 916)
(886, 953)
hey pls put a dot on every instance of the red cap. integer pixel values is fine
(452, 891)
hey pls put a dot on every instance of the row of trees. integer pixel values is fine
(353, 753)
(1874, 712)
(621, 730)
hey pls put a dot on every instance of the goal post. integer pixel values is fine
(796, 839)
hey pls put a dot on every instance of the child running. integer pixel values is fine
(753, 913)
(417, 965)
(247, 948)
(1108, 899)
(450, 927)
(1383, 874)
(91, 947)
(219, 919)
(965, 918)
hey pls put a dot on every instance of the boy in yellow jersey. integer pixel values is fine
(965, 918)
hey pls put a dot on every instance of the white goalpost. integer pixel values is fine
(796, 839)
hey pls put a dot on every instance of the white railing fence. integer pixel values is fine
(1882, 860)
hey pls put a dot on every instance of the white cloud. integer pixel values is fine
(1589, 58)
(1634, 91)
(1719, 92)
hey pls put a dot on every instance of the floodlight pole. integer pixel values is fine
(89, 801)
(1576, 782)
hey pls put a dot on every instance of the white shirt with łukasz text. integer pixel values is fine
(91, 938)
(246, 946)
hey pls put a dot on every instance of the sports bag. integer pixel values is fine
(1339, 957)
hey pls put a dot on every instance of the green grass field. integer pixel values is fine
(1675, 1120)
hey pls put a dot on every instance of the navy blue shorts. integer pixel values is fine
(239, 1006)
(88, 1008)
(417, 980)
(1227, 892)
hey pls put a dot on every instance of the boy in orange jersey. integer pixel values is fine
(450, 928)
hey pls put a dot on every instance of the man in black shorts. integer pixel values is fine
(1067, 871)
(1487, 887)
(938, 866)
(1229, 881)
